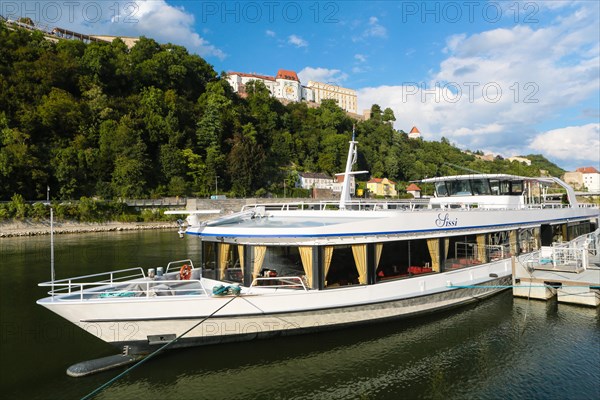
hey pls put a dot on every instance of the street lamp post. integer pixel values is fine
(52, 275)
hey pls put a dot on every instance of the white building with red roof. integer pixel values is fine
(414, 133)
(591, 178)
(285, 85)
(587, 177)
(414, 190)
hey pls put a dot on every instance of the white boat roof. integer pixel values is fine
(483, 176)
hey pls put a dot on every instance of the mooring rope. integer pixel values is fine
(149, 356)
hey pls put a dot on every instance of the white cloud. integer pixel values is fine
(332, 76)
(297, 41)
(152, 18)
(270, 33)
(360, 57)
(541, 71)
(572, 143)
(176, 26)
(375, 29)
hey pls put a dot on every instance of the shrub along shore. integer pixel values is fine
(34, 228)
(19, 218)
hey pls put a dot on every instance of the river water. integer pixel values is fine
(501, 348)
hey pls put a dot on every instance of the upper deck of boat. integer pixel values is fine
(326, 221)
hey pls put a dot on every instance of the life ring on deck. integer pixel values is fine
(185, 273)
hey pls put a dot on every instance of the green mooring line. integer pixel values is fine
(143, 360)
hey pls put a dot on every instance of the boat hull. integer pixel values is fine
(147, 334)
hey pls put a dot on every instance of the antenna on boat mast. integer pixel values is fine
(351, 160)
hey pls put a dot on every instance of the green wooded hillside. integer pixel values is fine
(101, 120)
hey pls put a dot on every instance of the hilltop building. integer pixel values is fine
(587, 177)
(286, 86)
(520, 159)
(55, 34)
(346, 98)
(414, 133)
(485, 157)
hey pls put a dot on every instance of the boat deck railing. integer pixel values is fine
(400, 205)
(278, 282)
(567, 256)
(335, 205)
(129, 282)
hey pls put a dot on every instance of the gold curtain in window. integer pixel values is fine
(327, 255)
(434, 251)
(259, 257)
(241, 255)
(481, 248)
(514, 243)
(536, 238)
(306, 253)
(223, 259)
(360, 258)
(378, 251)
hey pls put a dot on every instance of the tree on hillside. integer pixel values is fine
(388, 115)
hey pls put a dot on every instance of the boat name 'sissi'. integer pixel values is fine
(444, 221)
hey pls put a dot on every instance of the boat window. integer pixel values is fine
(480, 187)
(279, 261)
(459, 187)
(462, 251)
(504, 188)
(495, 186)
(229, 263)
(209, 260)
(517, 187)
(501, 245)
(577, 229)
(406, 258)
(527, 240)
(345, 265)
(440, 189)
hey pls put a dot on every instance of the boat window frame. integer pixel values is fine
(486, 186)
(512, 190)
(461, 193)
(441, 183)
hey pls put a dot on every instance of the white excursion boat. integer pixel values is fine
(275, 269)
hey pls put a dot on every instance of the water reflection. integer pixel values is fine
(500, 348)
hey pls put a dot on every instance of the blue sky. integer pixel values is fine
(515, 77)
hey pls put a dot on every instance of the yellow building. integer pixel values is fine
(382, 187)
(346, 98)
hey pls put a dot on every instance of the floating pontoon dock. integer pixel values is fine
(569, 270)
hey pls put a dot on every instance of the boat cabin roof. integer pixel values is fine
(504, 177)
